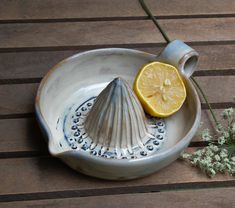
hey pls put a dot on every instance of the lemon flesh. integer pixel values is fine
(160, 89)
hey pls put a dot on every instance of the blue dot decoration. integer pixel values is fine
(143, 153)
(85, 147)
(84, 109)
(74, 127)
(76, 120)
(80, 140)
(150, 147)
(160, 130)
(74, 146)
(93, 152)
(160, 137)
(76, 134)
(77, 137)
(78, 114)
(160, 123)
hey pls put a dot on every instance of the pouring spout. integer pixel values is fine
(180, 55)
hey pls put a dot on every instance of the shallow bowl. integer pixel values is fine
(82, 76)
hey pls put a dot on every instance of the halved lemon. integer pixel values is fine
(160, 89)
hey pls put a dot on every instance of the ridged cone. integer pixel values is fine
(117, 119)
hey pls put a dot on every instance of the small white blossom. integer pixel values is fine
(208, 159)
(213, 147)
(226, 134)
(223, 154)
(233, 158)
(185, 155)
(198, 153)
(233, 127)
(221, 140)
(219, 166)
(195, 160)
(219, 128)
(226, 160)
(228, 166)
(228, 113)
(206, 135)
(217, 157)
(209, 152)
(212, 172)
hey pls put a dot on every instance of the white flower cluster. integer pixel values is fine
(212, 159)
(218, 156)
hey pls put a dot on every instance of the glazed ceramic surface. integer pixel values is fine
(67, 95)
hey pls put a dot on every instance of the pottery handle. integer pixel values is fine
(180, 55)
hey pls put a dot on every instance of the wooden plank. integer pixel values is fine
(24, 135)
(210, 198)
(30, 64)
(218, 89)
(36, 64)
(19, 98)
(20, 135)
(216, 57)
(199, 30)
(78, 34)
(47, 174)
(105, 33)
(82, 9)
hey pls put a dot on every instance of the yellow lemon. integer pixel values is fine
(160, 89)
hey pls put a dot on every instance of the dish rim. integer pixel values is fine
(179, 146)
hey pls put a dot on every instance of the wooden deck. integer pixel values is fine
(35, 35)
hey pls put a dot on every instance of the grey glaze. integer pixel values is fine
(180, 55)
(74, 81)
(114, 125)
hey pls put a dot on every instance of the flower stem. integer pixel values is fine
(149, 13)
(205, 98)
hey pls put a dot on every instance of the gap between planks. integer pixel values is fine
(201, 73)
(98, 46)
(210, 198)
(116, 191)
(111, 9)
(96, 19)
(49, 175)
(32, 36)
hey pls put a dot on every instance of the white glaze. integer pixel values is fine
(85, 75)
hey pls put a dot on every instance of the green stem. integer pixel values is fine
(149, 13)
(205, 98)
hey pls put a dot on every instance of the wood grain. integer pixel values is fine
(19, 98)
(78, 34)
(210, 198)
(90, 9)
(20, 135)
(47, 174)
(36, 64)
(200, 30)
(62, 28)
(104, 33)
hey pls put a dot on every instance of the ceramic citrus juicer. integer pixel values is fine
(94, 122)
